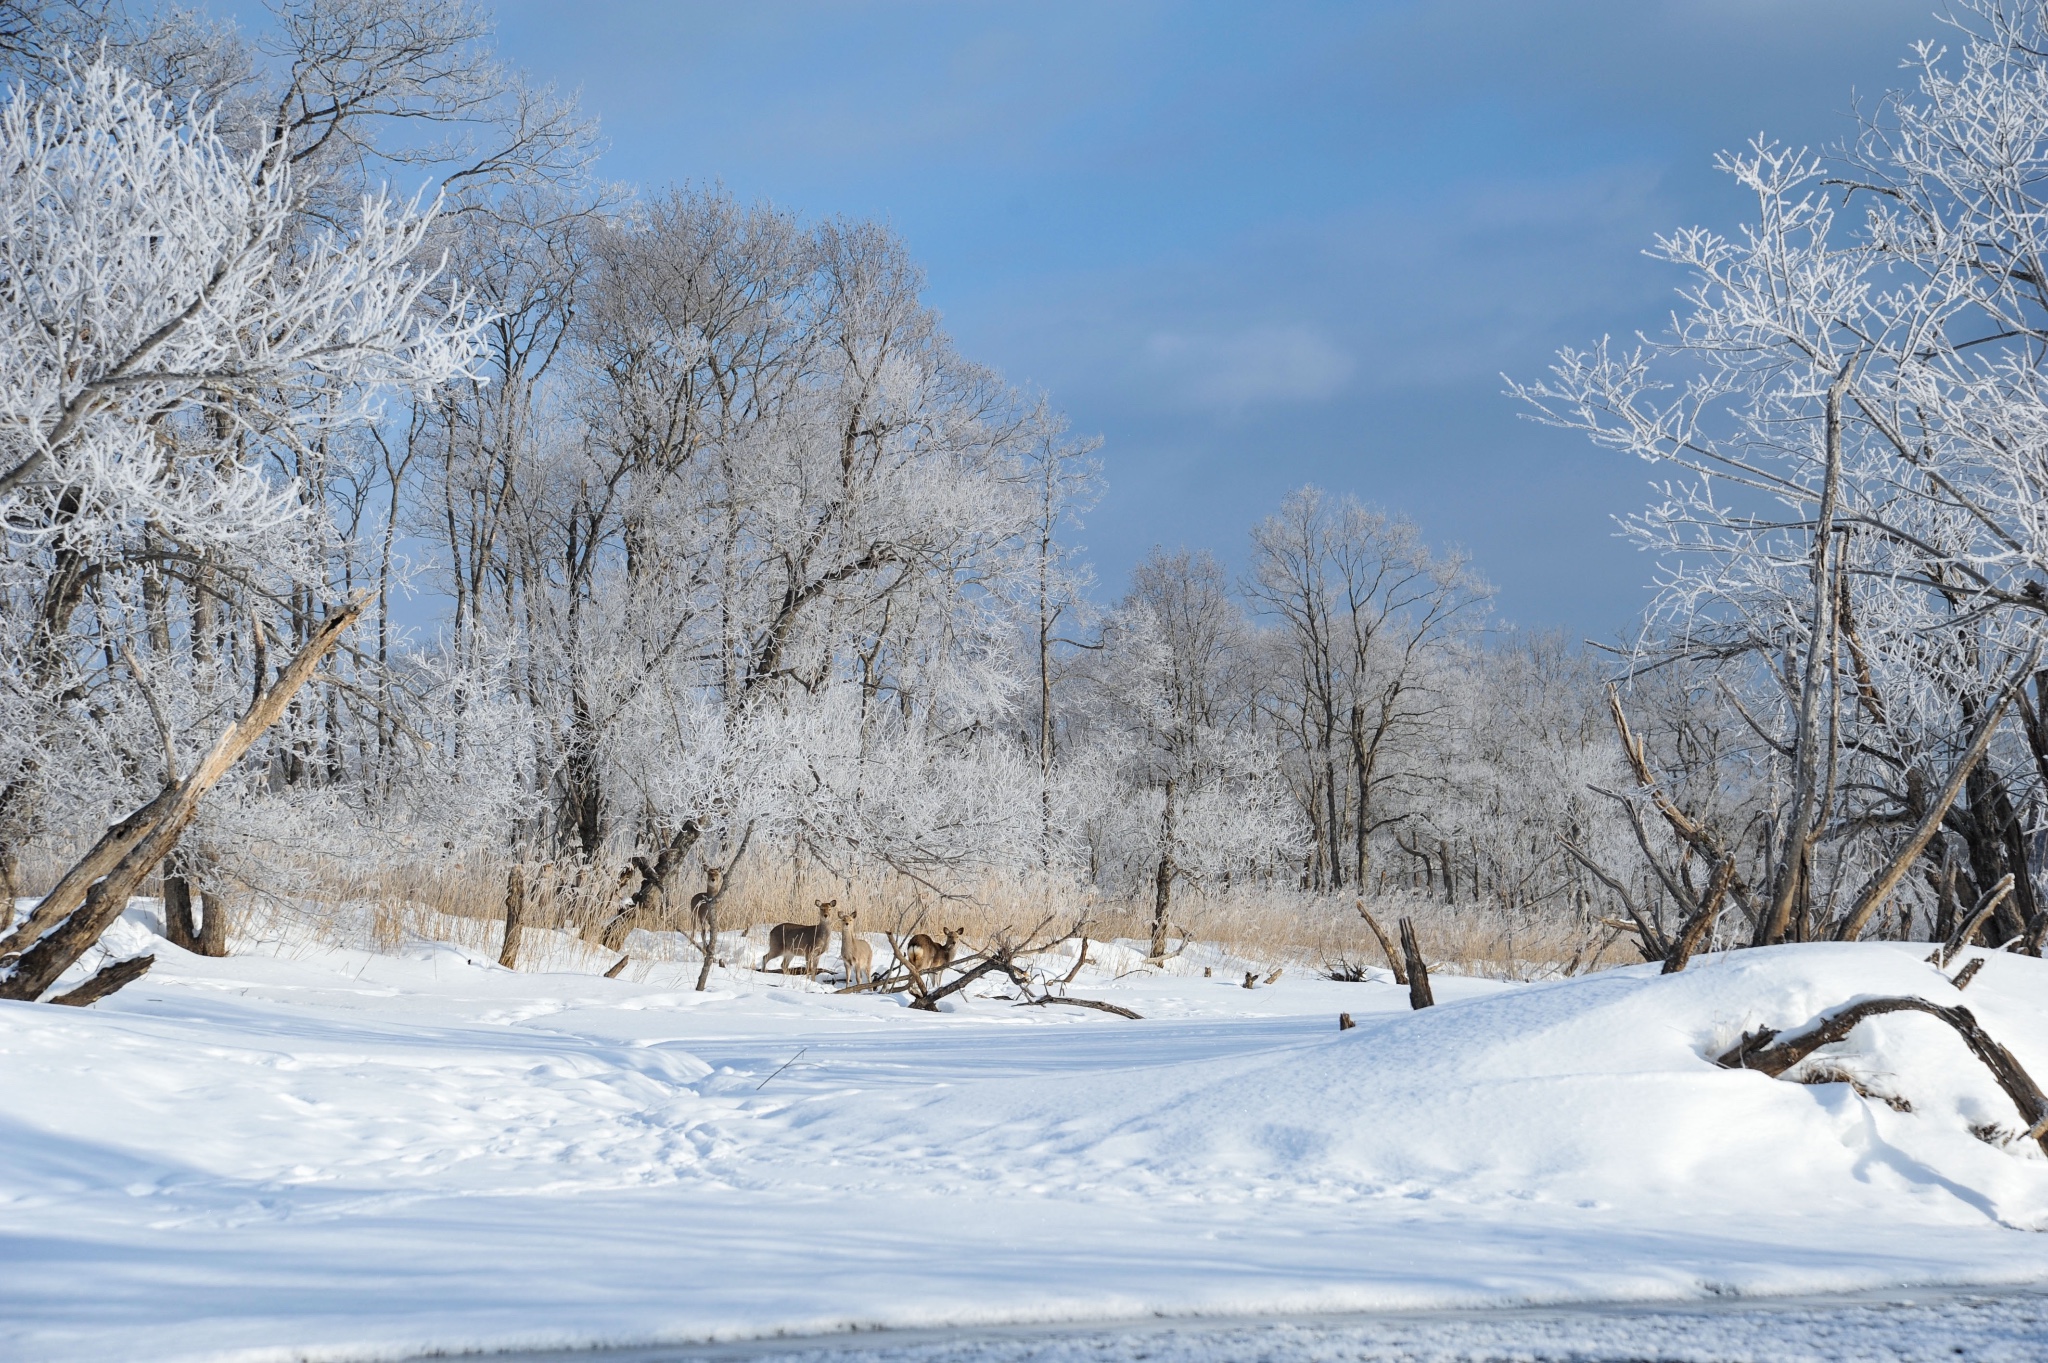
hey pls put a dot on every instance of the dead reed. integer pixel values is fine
(459, 898)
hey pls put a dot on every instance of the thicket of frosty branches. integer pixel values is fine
(686, 527)
(1850, 409)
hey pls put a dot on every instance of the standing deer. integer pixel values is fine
(701, 902)
(928, 957)
(807, 940)
(858, 955)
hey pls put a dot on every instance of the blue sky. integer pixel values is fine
(1253, 246)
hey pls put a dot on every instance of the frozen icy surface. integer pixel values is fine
(1966, 1327)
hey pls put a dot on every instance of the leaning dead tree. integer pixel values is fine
(92, 894)
(1968, 927)
(1695, 839)
(1393, 961)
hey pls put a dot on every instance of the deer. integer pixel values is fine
(701, 902)
(854, 951)
(807, 940)
(928, 957)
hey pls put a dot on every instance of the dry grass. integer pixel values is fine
(381, 903)
(460, 899)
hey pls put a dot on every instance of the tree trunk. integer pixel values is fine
(515, 917)
(650, 905)
(213, 923)
(585, 783)
(1944, 899)
(1702, 922)
(1162, 880)
(70, 890)
(1984, 839)
(1789, 885)
(179, 925)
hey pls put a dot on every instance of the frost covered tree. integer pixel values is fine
(725, 556)
(1185, 786)
(754, 538)
(163, 321)
(1850, 406)
(1370, 621)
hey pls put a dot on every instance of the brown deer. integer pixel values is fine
(858, 955)
(701, 902)
(928, 957)
(807, 940)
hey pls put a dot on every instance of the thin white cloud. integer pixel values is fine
(1237, 369)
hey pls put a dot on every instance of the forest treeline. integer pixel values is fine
(682, 536)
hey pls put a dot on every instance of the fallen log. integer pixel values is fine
(109, 979)
(928, 1001)
(1769, 1052)
(1097, 1004)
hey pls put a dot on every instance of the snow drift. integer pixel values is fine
(350, 1156)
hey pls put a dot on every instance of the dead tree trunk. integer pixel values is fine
(135, 846)
(1419, 995)
(515, 916)
(1968, 928)
(179, 925)
(1802, 825)
(213, 923)
(1393, 961)
(70, 889)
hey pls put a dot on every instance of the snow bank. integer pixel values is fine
(354, 1156)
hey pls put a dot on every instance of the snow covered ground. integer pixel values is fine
(323, 1154)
